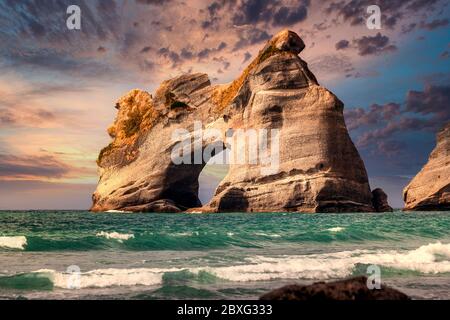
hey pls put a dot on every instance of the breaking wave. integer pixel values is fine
(18, 242)
(115, 235)
(428, 259)
(336, 229)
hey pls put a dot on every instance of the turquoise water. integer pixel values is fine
(215, 256)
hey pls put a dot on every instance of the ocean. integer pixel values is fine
(81, 255)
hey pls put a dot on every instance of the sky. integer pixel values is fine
(58, 87)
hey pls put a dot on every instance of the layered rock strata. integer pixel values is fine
(318, 168)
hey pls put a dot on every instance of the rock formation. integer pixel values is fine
(349, 289)
(319, 169)
(380, 201)
(430, 188)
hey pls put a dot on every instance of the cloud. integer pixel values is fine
(42, 167)
(437, 23)
(152, 2)
(247, 56)
(373, 45)
(287, 16)
(330, 64)
(354, 11)
(425, 110)
(434, 100)
(342, 44)
(251, 37)
(22, 104)
(252, 12)
(358, 117)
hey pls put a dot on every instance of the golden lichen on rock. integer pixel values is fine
(136, 114)
(284, 42)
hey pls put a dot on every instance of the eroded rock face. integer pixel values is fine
(430, 188)
(342, 290)
(319, 168)
(380, 201)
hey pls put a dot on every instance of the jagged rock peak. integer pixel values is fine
(430, 188)
(287, 40)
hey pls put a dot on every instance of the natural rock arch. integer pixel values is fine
(319, 167)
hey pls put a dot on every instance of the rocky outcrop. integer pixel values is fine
(430, 188)
(349, 289)
(318, 167)
(380, 201)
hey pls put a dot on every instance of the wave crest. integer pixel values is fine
(115, 235)
(17, 242)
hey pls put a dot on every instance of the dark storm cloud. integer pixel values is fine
(146, 49)
(354, 11)
(206, 52)
(437, 23)
(434, 100)
(358, 117)
(170, 55)
(46, 43)
(425, 110)
(342, 44)
(251, 12)
(250, 37)
(186, 54)
(390, 148)
(247, 57)
(403, 125)
(225, 63)
(53, 60)
(286, 16)
(32, 167)
(373, 45)
(215, 12)
(152, 2)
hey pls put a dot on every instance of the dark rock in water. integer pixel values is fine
(161, 206)
(430, 188)
(380, 201)
(349, 289)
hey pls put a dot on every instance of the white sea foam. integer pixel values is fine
(271, 235)
(118, 211)
(429, 259)
(18, 242)
(336, 229)
(102, 278)
(115, 235)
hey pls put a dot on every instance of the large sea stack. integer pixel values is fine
(320, 169)
(430, 188)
